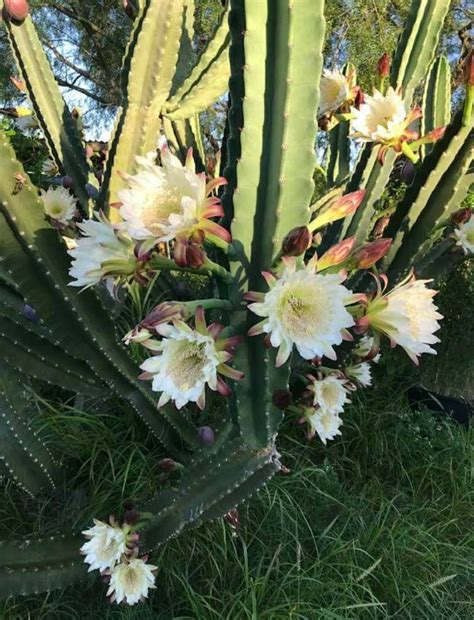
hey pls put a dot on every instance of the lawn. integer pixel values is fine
(377, 525)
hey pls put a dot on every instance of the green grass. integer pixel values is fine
(377, 525)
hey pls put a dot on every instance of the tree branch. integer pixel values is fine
(83, 91)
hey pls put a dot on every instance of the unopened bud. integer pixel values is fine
(130, 8)
(383, 66)
(67, 182)
(206, 435)
(30, 313)
(371, 253)
(341, 207)
(337, 254)
(16, 9)
(282, 399)
(408, 172)
(359, 98)
(168, 465)
(462, 216)
(187, 254)
(297, 241)
(468, 66)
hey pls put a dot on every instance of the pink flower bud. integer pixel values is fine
(297, 241)
(16, 9)
(383, 66)
(337, 254)
(370, 253)
(341, 207)
(468, 66)
(462, 216)
(187, 254)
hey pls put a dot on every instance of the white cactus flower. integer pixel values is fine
(360, 373)
(364, 347)
(381, 118)
(304, 309)
(99, 254)
(324, 423)
(59, 204)
(131, 580)
(408, 316)
(187, 362)
(49, 168)
(169, 201)
(334, 90)
(105, 546)
(329, 394)
(465, 236)
(26, 122)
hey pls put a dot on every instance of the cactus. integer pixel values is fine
(269, 166)
(436, 98)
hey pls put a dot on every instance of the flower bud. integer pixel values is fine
(206, 435)
(468, 66)
(383, 66)
(67, 182)
(408, 172)
(16, 9)
(130, 8)
(370, 253)
(163, 313)
(168, 465)
(187, 254)
(462, 216)
(30, 313)
(337, 254)
(297, 241)
(340, 208)
(282, 399)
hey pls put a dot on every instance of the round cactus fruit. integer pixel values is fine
(206, 435)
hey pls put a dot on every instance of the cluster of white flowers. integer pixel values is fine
(107, 550)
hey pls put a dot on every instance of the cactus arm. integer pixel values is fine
(436, 99)
(443, 179)
(37, 357)
(208, 78)
(271, 161)
(21, 450)
(339, 154)
(185, 133)
(222, 481)
(152, 67)
(51, 111)
(186, 53)
(40, 565)
(418, 43)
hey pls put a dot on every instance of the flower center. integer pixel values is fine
(132, 579)
(158, 208)
(330, 394)
(302, 311)
(187, 363)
